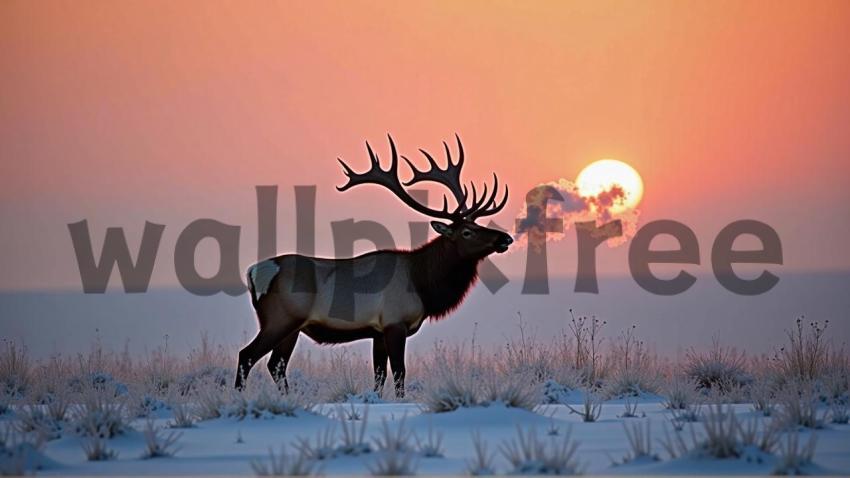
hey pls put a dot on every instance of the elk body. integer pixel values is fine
(294, 294)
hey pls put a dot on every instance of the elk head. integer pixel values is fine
(470, 239)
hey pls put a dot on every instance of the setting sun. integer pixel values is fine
(604, 174)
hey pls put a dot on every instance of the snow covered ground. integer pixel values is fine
(228, 446)
(561, 407)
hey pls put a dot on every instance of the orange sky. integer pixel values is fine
(121, 112)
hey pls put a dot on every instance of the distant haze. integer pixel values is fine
(68, 322)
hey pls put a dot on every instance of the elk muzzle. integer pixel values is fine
(502, 243)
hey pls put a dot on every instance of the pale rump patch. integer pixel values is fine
(262, 274)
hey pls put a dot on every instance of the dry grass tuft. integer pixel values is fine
(720, 369)
(591, 407)
(96, 447)
(285, 465)
(432, 445)
(159, 445)
(640, 441)
(482, 464)
(793, 458)
(530, 455)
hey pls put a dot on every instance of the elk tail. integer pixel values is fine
(260, 277)
(252, 290)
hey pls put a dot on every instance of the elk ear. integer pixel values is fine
(442, 229)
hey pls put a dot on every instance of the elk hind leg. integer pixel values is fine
(275, 326)
(279, 360)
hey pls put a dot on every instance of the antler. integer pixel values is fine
(448, 177)
(389, 179)
(490, 207)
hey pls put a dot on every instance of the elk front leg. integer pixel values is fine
(395, 337)
(379, 362)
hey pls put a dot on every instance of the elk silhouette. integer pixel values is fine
(294, 294)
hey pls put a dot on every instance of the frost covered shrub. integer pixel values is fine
(454, 381)
(530, 455)
(353, 439)
(265, 400)
(206, 375)
(96, 447)
(97, 381)
(512, 390)
(687, 415)
(327, 444)
(633, 370)
(457, 380)
(725, 436)
(99, 414)
(680, 394)
(432, 445)
(393, 463)
(567, 376)
(369, 397)
(261, 399)
(799, 405)
(210, 354)
(591, 407)
(555, 393)
(721, 432)
(57, 406)
(158, 445)
(5, 402)
(640, 442)
(587, 347)
(324, 447)
(793, 458)
(674, 445)
(806, 355)
(834, 386)
(482, 464)
(159, 371)
(352, 380)
(526, 356)
(395, 438)
(348, 413)
(394, 454)
(184, 415)
(839, 412)
(36, 419)
(630, 408)
(20, 453)
(285, 465)
(632, 383)
(15, 369)
(49, 379)
(209, 400)
(721, 369)
(762, 392)
(765, 439)
(683, 401)
(413, 387)
(146, 405)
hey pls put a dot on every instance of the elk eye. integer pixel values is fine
(466, 233)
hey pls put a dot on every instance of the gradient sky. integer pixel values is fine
(121, 112)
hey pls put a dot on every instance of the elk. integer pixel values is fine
(294, 294)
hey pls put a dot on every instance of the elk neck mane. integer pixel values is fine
(442, 277)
